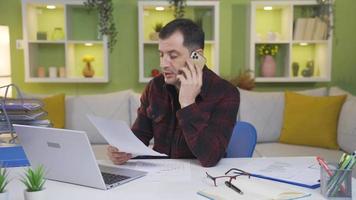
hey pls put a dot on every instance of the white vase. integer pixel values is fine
(4, 195)
(38, 195)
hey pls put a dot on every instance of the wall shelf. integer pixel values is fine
(204, 12)
(294, 28)
(59, 38)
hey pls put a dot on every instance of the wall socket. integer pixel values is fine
(19, 44)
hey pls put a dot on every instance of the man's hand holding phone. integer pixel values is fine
(191, 79)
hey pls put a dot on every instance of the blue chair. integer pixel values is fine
(243, 140)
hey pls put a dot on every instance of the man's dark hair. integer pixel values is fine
(193, 35)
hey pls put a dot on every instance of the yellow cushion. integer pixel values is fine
(310, 120)
(55, 107)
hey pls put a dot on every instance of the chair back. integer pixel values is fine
(243, 140)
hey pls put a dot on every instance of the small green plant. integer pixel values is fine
(158, 27)
(3, 179)
(267, 49)
(34, 179)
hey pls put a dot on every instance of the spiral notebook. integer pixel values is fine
(252, 189)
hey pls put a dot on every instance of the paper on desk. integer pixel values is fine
(306, 171)
(252, 189)
(118, 134)
(168, 170)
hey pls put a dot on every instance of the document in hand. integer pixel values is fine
(118, 134)
(252, 189)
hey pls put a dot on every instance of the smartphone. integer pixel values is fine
(198, 59)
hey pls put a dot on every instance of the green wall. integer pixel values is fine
(233, 49)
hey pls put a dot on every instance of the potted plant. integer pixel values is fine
(244, 80)
(4, 195)
(34, 181)
(157, 28)
(88, 70)
(267, 51)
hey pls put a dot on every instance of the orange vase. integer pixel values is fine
(268, 66)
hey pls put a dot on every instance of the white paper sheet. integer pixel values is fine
(252, 189)
(168, 170)
(118, 134)
(306, 171)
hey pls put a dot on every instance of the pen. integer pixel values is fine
(327, 169)
(230, 185)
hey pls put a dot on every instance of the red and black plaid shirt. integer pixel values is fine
(201, 130)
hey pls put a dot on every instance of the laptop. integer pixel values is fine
(68, 157)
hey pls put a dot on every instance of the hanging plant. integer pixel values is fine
(106, 19)
(178, 6)
(324, 11)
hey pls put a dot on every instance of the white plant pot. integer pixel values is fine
(4, 195)
(39, 195)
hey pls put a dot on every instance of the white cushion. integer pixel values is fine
(134, 105)
(346, 131)
(112, 106)
(274, 149)
(265, 111)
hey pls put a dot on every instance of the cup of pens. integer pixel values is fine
(335, 182)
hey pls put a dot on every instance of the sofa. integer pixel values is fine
(262, 109)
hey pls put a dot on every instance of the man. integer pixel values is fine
(188, 110)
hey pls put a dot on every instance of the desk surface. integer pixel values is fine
(151, 186)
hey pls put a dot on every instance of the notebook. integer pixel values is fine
(252, 189)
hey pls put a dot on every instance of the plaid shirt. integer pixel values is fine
(201, 130)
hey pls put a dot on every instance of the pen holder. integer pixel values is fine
(338, 185)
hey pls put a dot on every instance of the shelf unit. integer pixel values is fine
(205, 13)
(60, 37)
(279, 26)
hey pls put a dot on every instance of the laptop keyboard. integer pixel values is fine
(113, 178)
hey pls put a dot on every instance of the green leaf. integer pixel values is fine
(34, 179)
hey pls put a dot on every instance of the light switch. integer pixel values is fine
(19, 44)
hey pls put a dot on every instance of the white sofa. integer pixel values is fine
(263, 109)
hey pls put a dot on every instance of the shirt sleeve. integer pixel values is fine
(142, 126)
(208, 133)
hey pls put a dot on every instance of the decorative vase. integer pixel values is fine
(88, 71)
(295, 69)
(38, 195)
(58, 34)
(268, 66)
(4, 195)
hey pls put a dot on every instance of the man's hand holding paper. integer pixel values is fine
(119, 135)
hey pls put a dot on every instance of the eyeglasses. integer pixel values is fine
(237, 172)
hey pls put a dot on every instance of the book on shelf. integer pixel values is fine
(320, 32)
(309, 28)
(299, 28)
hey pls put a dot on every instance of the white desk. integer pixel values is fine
(146, 187)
